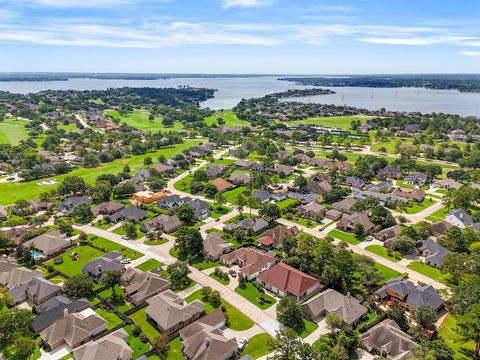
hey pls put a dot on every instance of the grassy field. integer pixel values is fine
(228, 116)
(236, 320)
(112, 246)
(438, 215)
(140, 318)
(231, 195)
(380, 250)
(341, 122)
(350, 238)
(72, 267)
(251, 293)
(419, 206)
(150, 264)
(257, 347)
(463, 350)
(12, 131)
(430, 271)
(138, 118)
(11, 192)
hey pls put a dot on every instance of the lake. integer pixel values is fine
(232, 89)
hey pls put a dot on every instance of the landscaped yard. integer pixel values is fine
(231, 195)
(121, 231)
(112, 318)
(138, 118)
(139, 348)
(429, 271)
(222, 281)
(285, 203)
(218, 211)
(380, 250)
(438, 215)
(70, 266)
(150, 264)
(251, 293)
(419, 206)
(350, 238)
(113, 246)
(386, 272)
(12, 131)
(463, 350)
(310, 327)
(140, 318)
(174, 351)
(257, 346)
(236, 319)
(300, 220)
(202, 263)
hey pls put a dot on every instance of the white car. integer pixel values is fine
(369, 238)
(125, 237)
(125, 261)
(242, 342)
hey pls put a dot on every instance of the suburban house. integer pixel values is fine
(348, 222)
(67, 205)
(389, 233)
(200, 208)
(448, 184)
(140, 286)
(162, 222)
(252, 225)
(49, 243)
(204, 339)
(221, 184)
(274, 237)
(383, 198)
(333, 214)
(354, 181)
(405, 293)
(283, 280)
(388, 340)
(262, 196)
(107, 208)
(54, 309)
(169, 313)
(250, 261)
(114, 344)
(215, 170)
(411, 194)
(440, 227)
(147, 196)
(173, 201)
(244, 164)
(319, 183)
(433, 252)
(416, 179)
(312, 210)
(215, 246)
(18, 276)
(99, 266)
(345, 205)
(73, 329)
(460, 218)
(130, 213)
(383, 186)
(329, 301)
(391, 172)
(35, 291)
(239, 178)
(283, 170)
(7, 264)
(164, 169)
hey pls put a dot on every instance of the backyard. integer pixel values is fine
(72, 265)
(140, 318)
(257, 346)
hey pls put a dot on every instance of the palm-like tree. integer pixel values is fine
(111, 279)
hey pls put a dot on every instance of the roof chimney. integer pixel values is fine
(65, 312)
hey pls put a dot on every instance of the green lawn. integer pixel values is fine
(228, 116)
(231, 195)
(138, 119)
(174, 351)
(150, 264)
(430, 271)
(113, 246)
(287, 203)
(419, 206)
(73, 267)
(112, 318)
(301, 220)
(350, 238)
(236, 320)
(57, 279)
(448, 331)
(155, 242)
(386, 272)
(310, 327)
(140, 318)
(12, 131)
(251, 293)
(341, 122)
(121, 231)
(202, 263)
(139, 348)
(218, 211)
(11, 192)
(380, 250)
(257, 346)
(222, 281)
(438, 215)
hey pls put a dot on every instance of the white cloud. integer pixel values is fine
(415, 40)
(227, 4)
(470, 53)
(77, 3)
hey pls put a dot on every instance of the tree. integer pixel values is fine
(6, 300)
(24, 347)
(100, 193)
(290, 314)
(469, 326)
(405, 245)
(82, 213)
(220, 199)
(359, 230)
(15, 322)
(126, 168)
(72, 185)
(186, 214)
(123, 190)
(178, 273)
(466, 293)
(111, 279)
(211, 296)
(270, 211)
(189, 242)
(334, 322)
(434, 350)
(425, 316)
(130, 229)
(147, 161)
(210, 190)
(397, 314)
(241, 202)
(285, 345)
(300, 181)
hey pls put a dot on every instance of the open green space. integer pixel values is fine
(380, 250)
(341, 122)
(113, 246)
(448, 331)
(112, 318)
(419, 206)
(174, 349)
(236, 320)
(228, 116)
(138, 346)
(350, 238)
(430, 271)
(140, 318)
(72, 265)
(438, 215)
(251, 293)
(150, 264)
(258, 346)
(13, 191)
(138, 119)
(12, 131)
(231, 195)
(218, 211)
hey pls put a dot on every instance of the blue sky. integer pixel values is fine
(241, 36)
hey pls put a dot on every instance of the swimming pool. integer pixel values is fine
(36, 255)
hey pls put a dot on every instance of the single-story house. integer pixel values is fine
(448, 184)
(215, 246)
(311, 210)
(333, 214)
(345, 205)
(250, 261)
(107, 208)
(239, 178)
(391, 172)
(348, 222)
(49, 243)
(130, 213)
(99, 266)
(221, 184)
(416, 179)
(411, 194)
(162, 222)
(244, 164)
(113, 344)
(388, 233)
(284, 170)
(262, 196)
(253, 225)
(140, 286)
(67, 205)
(274, 237)
(354, 181)
(215, 170)
(460, 218)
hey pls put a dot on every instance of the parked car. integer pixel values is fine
(232, 273)
(242, 342)
(125, 237)
(125, 261)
